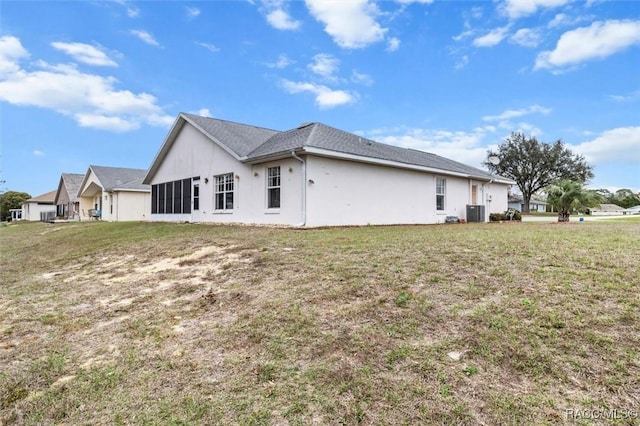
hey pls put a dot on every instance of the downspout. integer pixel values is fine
(304, 190)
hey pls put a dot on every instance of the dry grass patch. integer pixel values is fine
(140, 323)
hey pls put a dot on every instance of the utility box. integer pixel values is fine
(475, 213)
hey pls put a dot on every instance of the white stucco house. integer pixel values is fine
(114, 194)
(535, 204)
(211, 170)
(606, 210)
(40, 208)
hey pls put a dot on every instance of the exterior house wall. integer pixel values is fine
(31, 211)
(351, 193)
(127, 206)
(194, 155)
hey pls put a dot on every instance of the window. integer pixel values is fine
(224, 191)
(196, 196)
(273, 187)
(441, 184)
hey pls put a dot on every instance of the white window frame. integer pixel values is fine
(274, 182)
(441, 191)
(224, 184)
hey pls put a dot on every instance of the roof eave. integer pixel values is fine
(363, 159)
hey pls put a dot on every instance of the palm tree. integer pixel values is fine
(567, 196)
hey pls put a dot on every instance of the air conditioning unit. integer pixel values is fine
(475, 213)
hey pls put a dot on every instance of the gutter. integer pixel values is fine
(304, 190)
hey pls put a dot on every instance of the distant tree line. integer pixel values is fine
(623, 197)
(553, 170)
(11, 200)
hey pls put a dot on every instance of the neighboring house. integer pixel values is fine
(632, 210)
(66, 200)
(535, 204)
(210, 170)
(606, 210)
(114, 194)
(40, 208)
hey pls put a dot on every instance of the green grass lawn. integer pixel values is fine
(140, 323)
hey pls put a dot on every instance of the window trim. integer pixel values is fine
(274, 183)
(442, 194)
(224, 181)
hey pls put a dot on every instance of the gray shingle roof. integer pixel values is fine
(318, 135)
(253, 144)
(120, 178)
(72, 182)
(239, 138)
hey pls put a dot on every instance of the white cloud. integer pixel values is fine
(414, 1)
(526, 37)
(204, 112)
(621, 144)
(91, 100)
(277, 16)
(633, 96)
(597, 41)
(38, 153)
(210, 47)
(11, 52)
(106, 122)
(352, 24)
(393, 44)
(361, 78)
(85, 53)
(559, 20)
(192, 12)
(324, 65)
(493, 38)
(325, 97)
(462, 62)
(132, 12)
(519, 8)
(465, 146)
(282, 62)
(145, 37)
(281, 20)
(513, 113)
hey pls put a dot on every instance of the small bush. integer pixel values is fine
(497, 217)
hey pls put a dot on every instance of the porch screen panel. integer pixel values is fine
(186, 195)
(177, 196)
(169, 208)
(154, 199)
(161, 198)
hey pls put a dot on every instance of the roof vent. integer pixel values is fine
(305, 124)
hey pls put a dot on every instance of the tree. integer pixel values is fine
(626, 198)
(11, 200)
(567, 196)
(535, 165)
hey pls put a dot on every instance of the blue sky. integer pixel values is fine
(101, 82)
